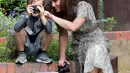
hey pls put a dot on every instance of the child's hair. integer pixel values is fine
(31, 1)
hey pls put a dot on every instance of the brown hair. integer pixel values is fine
(67, 9)
(31, 1)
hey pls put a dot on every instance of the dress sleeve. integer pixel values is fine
(84, 9)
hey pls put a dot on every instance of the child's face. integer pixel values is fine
(37, 2)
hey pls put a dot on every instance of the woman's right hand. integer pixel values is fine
(48, 14)
(61, 62)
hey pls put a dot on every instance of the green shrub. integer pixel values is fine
(6, 24)
(6, 54)
(12, 4)
(53, 51)
(108, 24)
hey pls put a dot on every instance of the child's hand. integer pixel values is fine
(29, 9)
(41, 8)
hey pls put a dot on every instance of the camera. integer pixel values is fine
(63, 69)
(35, 9)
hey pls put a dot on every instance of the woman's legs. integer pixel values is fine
(20, 38)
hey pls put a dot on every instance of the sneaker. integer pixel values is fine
(22, 58)
(43, 58)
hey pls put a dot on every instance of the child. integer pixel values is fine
(33, 33)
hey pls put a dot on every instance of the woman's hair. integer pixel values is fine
(67, 9)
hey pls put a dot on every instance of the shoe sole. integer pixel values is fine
(41, 61)
(21, 62)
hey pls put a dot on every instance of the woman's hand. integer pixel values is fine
(61, 62)
(48, 14)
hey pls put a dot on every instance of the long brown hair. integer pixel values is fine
(67, 10)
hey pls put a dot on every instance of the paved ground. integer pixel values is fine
(30, 68)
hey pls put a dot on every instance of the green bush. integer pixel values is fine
(108, 24)
(12, 4)
(6, 54)
(53, 51)
(6, 24)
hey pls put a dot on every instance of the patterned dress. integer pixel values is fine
(88, 43)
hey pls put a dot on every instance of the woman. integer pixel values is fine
(33, 33)
(88, 42)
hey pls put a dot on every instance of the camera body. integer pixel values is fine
(63, 69)
(35, 9)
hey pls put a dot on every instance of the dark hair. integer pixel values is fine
(67, 8)
(48, 5)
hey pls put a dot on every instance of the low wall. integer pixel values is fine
(120, 46)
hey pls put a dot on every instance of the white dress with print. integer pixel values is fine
(88, 43)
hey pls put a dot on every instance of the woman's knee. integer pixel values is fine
(95, 70)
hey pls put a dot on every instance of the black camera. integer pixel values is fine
(63, 69)
(35, 9)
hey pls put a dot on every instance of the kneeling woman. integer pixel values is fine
(88, 42)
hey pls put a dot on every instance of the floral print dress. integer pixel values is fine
(88, 43)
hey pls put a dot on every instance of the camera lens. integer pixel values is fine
(35, 9)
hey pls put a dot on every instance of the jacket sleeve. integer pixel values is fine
(48, 27)
(20, 23)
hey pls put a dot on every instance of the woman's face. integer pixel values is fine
(56, 5)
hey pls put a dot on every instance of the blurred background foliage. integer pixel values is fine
(10, 10)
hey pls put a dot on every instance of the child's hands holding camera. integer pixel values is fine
(29, 9)
(35, 10)
(41, 9)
